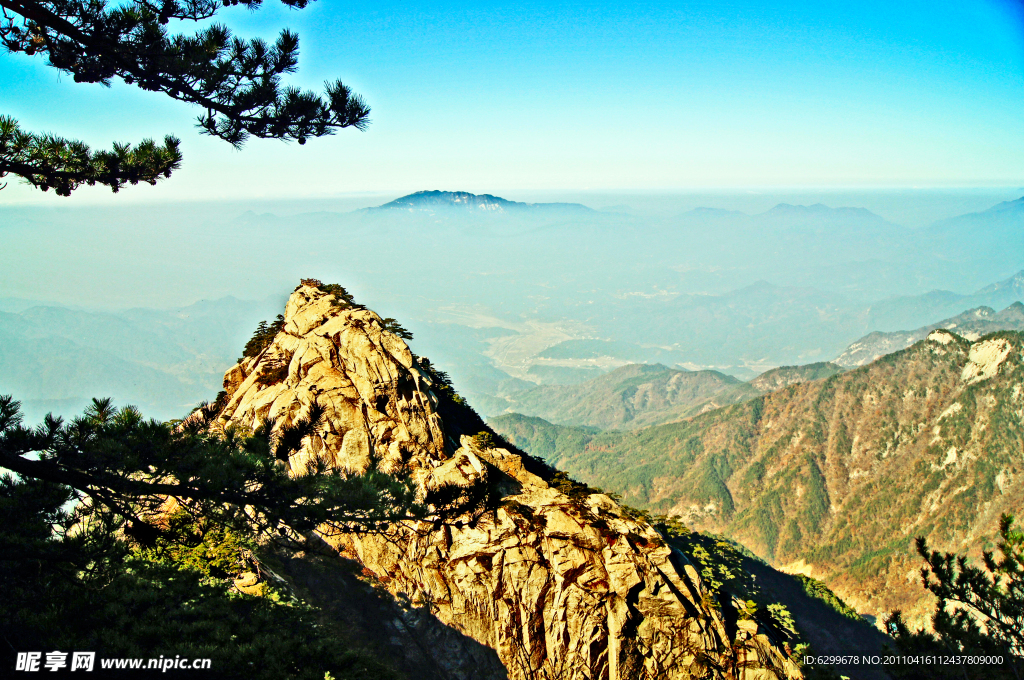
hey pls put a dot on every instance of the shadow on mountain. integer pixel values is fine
(408, 638)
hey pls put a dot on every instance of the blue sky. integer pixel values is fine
(499, 97)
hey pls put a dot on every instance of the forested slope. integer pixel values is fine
(833, 477)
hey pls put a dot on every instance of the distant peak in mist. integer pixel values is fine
(789, 213)
(1015, 283)
(463, 200)
(818, 210)
(703, 211)
(1005, 206)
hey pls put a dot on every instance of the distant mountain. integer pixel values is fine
(1012, 288)
(795, 213)
(163, 361)
(820, 211)
(639, 395)
(1012, 211)
(971, 324)
(833, 478)
(994, 236)
(1014, 207)
(631, 396)
(901, 312)
(743, 331)
(463, 200)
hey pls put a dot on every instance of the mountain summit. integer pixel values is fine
(557, 578)
(820, 211)
(434, 200)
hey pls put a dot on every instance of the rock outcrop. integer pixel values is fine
(562, 586)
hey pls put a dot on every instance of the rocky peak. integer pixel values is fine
(561, 586)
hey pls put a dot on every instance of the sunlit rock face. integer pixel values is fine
(562, 588)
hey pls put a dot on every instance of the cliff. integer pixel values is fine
(562, 586)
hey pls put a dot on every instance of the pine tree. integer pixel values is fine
(237, 83)
(123, 468)
(979, 611)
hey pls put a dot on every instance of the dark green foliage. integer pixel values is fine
(92, 558)
(753, 474)
(47, 161)
(263, 337)
(756, 411)
(791, 540)
(441, 382)
(721, 564)
(485, 439)
(576, 491)
(819, 590)
(541, 438)
(89, 590)
(342, 298)
(816, 501)
(980, 610)
(125, 466)
(708, 485)
(766, 517)
(210, 549)
(236, 83)
(392, 326)
(669, 527)
(843, 443)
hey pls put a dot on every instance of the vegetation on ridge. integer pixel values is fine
(262, 337)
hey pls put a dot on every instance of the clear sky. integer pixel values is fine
(505, 97)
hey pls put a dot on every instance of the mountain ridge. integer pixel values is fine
(639, 395)
(834, 477)
(434, 199)
(970, 324)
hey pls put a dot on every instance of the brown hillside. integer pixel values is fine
(836, 477)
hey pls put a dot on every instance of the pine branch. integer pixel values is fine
(47, 161)
(237, 82)
(129, 466)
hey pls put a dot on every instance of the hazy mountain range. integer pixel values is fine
(163, 361)
(683, 361)
(547, 294)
